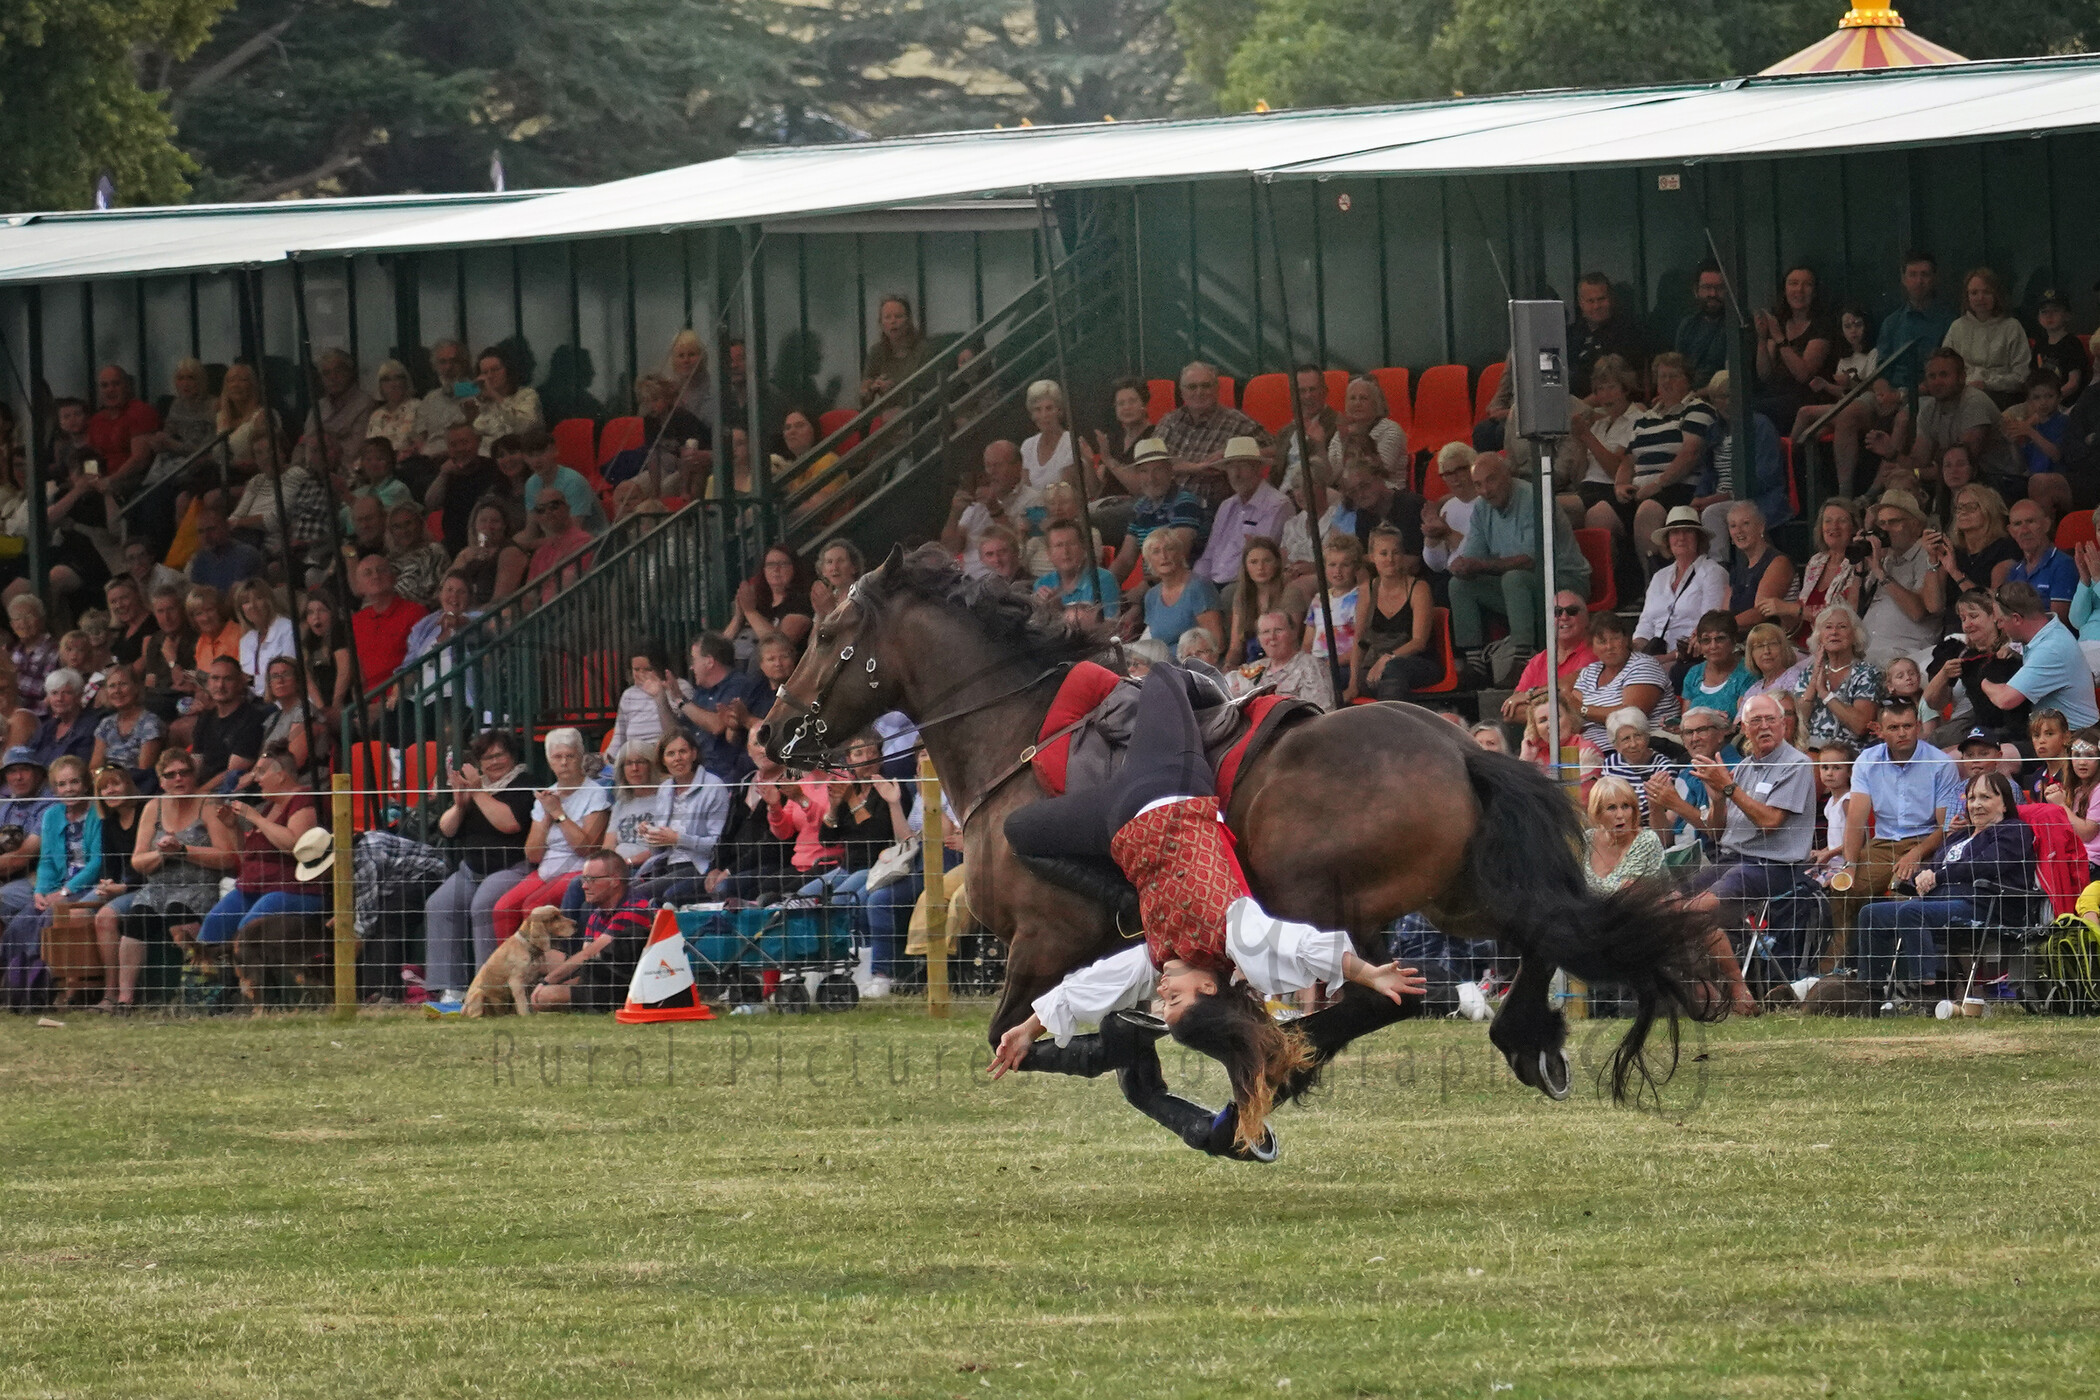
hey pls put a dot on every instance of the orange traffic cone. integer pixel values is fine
(663, 988)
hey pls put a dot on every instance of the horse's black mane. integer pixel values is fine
(1040, 631)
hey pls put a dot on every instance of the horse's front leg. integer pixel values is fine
(1531, 1034)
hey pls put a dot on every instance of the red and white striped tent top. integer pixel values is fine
(1869, 36)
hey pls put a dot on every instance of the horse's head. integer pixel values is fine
(842, 682)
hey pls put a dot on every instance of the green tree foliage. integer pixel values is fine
(921, 65)
(1312, 52)
(388, 95)
(71, 103)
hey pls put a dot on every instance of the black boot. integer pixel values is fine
(1098, 880)
(1085, 1056)
(1145, 1087)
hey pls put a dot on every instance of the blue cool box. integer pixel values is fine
(766, 937)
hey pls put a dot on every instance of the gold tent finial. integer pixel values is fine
(1871, 16)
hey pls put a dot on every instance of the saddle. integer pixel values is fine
(1102, 705)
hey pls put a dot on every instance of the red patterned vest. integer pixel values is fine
(1180, 857)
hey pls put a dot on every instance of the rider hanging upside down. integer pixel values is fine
(1158, 820)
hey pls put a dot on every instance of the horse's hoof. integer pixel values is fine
(1553, 1074)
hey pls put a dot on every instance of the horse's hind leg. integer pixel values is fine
(1530, 1033)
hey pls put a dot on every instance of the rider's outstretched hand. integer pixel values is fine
(1013, 1046)
(1392, 980)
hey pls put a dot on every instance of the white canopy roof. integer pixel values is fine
(203, 237)
(1743, 118)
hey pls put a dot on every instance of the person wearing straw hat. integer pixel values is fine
(1255, 508)
(1683, 590)
(1162, 502)
(1904, 590)
(314, 853)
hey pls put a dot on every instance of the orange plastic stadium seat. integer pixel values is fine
(1449, 681)
(1159, 398)
(1443, 410)
(434, 526)
(420, 770)
(1484, 392)
(1596, 547)
(573, 444)
(1268, 401)
(371, 772)
(620, 434)
(1398, 406)
(1337, 386)
(2074, 530)
(1226, 390)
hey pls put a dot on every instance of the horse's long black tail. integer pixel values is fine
(1526, 871)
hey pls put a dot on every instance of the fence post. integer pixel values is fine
(933, 843)
(345, 902)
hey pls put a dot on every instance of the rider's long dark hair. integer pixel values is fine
(1233, 1027)
(1526, 865)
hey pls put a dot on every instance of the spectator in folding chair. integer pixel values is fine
(1907, 788)
(1765, 810)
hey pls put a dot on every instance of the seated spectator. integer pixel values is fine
(898, 352)
(221, 561)
(1677, 799)
(1345, 568)
(128, 735)
(1775, 667)
(1578, 759)
(1996, 847)
(77, 653)
(1444, 522)
(1367, 427)
(226, 732)
(1197, 651)
(594, 975)
(131, 621)
(1069, 582)
(1633, 760)
(335, 426)
(1904, 790)
(288, 726)
(562, 548)
(325, 650)
(1831, 575)
(1858, 361)
(1489, 736)
(68, 729)
(2085, 603)
(1162, 503)
(181, 853)
(2051, 572)
(1130, 416)
(724, 704)
(69, 862)
(172, 654)
(487, 824)
(277, 496)
(1571, 630)
(1600, 440)
(1765, 811)
(382, 625)
(859, 816)
(1840, 690)
(1977, 550)
(1960, 664)
(1619, 677)
(568, 818)
(1060, 506)
(190, 422)
(1195, 434)
(775, 599)
(420, 563)
(1768, 469)
(1047, 456)
(2038, 429)
(683, 829)
(492, 562)
(1180, 599)
(1758, 574)
(367, 528)
(505, 404)
(1669, 445)
(795, 811)
(218, 633)
(635, 779)
(547, 473)
(1952, 412)
(119, 426)
(1617, 847)
(839, 566)
(1908, 593)
(463, 477)
(1717, 679)
(374, 476)
(2079, 798)
(395, 412)
(1260, 588)
(117, 803)
(1991, 342)
(1254, 510)
(455, 609)
(267, 634)
(1794, 344)
(34, 653)
(2053, 674)
(18, 723)
(776, 662)
(1395, 653)
(21, 817)
(2060, 351)
(640, 718)
(674, 455)
(266, 831)
(999, 556)
(1376, 502)
(751, 862)
(1686, 589)
(1283, 664)
(1297, 537)
(1497, 570)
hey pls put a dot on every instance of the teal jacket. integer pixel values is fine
(51, 856)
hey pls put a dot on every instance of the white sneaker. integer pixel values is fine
(1472, 1002)
(878, 987)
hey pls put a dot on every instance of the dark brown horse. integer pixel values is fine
(1351, 820)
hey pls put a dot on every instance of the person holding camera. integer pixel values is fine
(266, 825)
(1904, 592)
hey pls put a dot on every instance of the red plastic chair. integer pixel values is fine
(1596, 547)
(1337, 387)
(371, 775)
(620, 435)
(1268, 401)
(1484, 391)
(833, 419)
(420, 770)
(1398, 405)
(1793, 478)
(434, 526)
(1226, 390)
(572, 444)
(1449, 682)
(2074, 530)
(1443, 410)
(1159, 398)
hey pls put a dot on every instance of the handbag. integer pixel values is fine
(895, 863)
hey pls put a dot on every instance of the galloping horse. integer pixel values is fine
(1351, 820)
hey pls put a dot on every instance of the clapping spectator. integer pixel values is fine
(860, 816)
(1367, 429)
(1841, 689)
(724, 705)
(1114, 447)
(641, 715)
(569, 818)
(487, 824)
(505, 404)
(776, 599)
(839, 566)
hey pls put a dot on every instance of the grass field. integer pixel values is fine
(390, 1207)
